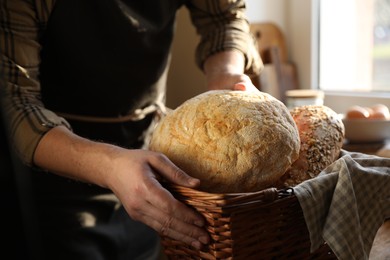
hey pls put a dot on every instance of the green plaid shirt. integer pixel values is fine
(222, 25)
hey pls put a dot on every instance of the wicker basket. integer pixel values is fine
(268, 224)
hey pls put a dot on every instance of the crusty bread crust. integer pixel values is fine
(233, 141)
(321, 133)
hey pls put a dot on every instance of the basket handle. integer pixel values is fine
(270, 194)
(266, 195)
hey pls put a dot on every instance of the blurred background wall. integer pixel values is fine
(185, 80)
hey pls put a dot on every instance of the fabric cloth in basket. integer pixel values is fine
(346, 204)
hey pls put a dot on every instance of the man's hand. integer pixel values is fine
(137, 185)
(133, 175)
(225, 70)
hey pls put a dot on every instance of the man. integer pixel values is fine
(83, 85)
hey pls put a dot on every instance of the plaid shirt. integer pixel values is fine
(221, 24)
(347, 203)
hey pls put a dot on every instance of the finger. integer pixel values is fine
(245, 86)
(240, 86)
(191, 236)
(164, 201)
(171, 172)
(244, 83)
(169, 216)
(173, 227)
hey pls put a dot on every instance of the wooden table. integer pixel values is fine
(377, 148)
(381, 246)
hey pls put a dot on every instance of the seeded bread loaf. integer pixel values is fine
(233, 141)
(321, 133)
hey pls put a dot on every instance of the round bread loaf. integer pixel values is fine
(233, 141)
(321, 132)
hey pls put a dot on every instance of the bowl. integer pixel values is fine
(366, 130)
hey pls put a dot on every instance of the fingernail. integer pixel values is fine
(193, 182)
(240, 86)
(204, 239)
(199, 223)
(196, 244)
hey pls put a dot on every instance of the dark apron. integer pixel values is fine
(101, 58)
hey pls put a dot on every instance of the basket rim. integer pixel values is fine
(226, 200)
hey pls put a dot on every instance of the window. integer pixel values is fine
(354, 45)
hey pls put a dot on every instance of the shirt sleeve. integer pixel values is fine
(26, 119)
(223, 25)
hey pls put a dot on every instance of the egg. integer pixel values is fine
(379, 111)
(370, 110)
(357, 112)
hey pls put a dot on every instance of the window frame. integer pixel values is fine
(341, 100)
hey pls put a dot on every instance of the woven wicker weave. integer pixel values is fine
(268, 224)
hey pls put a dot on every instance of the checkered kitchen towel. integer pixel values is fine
(347, 203)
